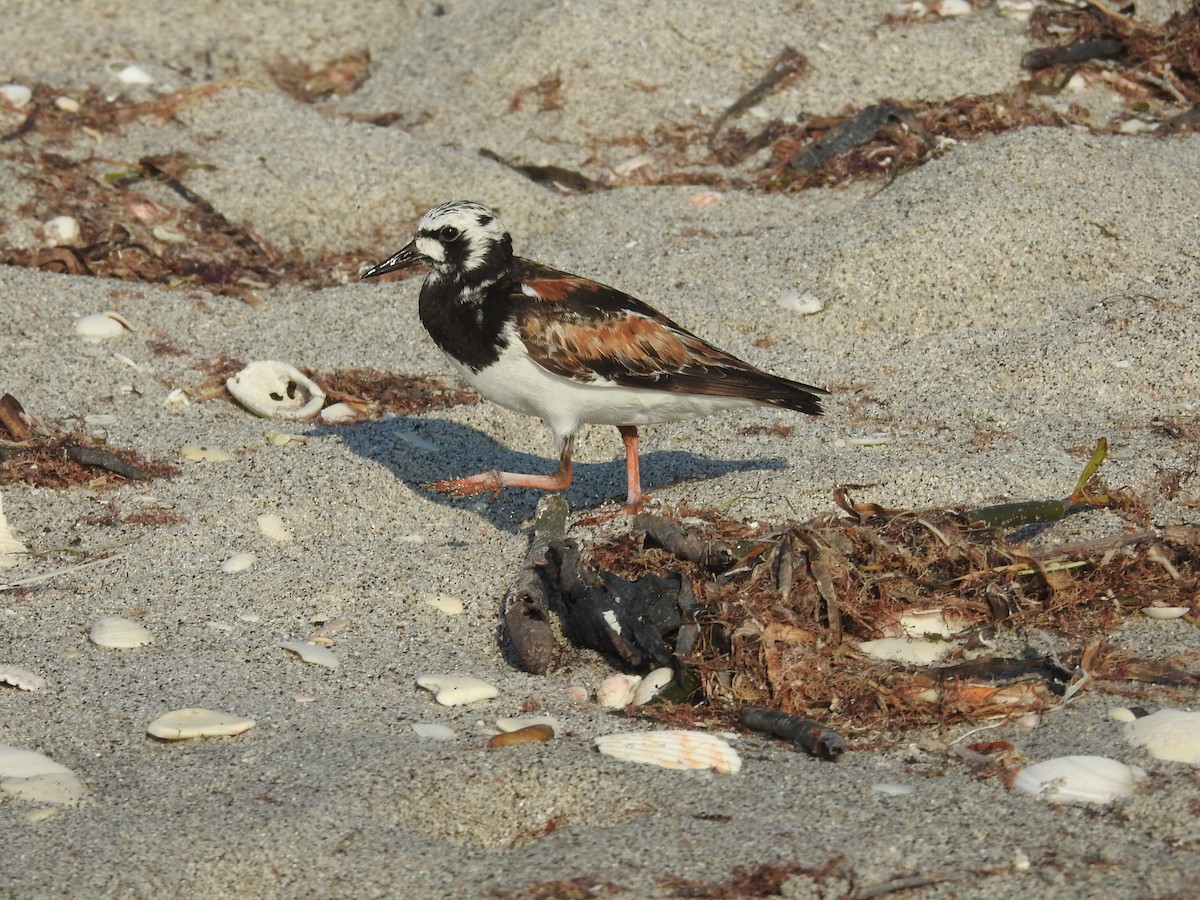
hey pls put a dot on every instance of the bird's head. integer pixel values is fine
(460, 241)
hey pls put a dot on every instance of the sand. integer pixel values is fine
(987, 317)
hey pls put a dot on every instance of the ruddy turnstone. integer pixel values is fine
(571, 351)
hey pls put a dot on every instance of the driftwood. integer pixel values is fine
(527, 604)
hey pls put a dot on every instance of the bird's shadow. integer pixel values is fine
(418, 451)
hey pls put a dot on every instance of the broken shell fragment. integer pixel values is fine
(32, 776)
(23, 679)
(673, 750)
(194, 722)
(524, 735)
(239, 562)
(339, 412)
(519, 722)
(1079, 779)
(313, 654)
(102, 326)
(1165, 612)
(118, 633)
(61, 231)
(11, 549)
(616, 691)
(906, 650)
(271, 525)
(1172, 734)
(15, 95)
(196, 453)
(274, 389)
(451, 606)
(456, 690)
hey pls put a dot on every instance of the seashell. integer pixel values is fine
(919, 623)
(10, 547)
(1121, 714)
(15, 95)
(23, 679)
(905, 650)
(519, 722)
(129, 73)
(271, 525)
(167, 235)
(339, 412)
(239, 562)
(893, 790)
(194, 722)
(67, 104)
(1165, 612)
(577, 694)
(1079, 779)
(103, 420)
(279, 438)
(433, 731)
(616, 691)
(118, 633)
(314, 654)
(415, 440)
(61, 231)
(32, 776)
(456, 690)
(102, 326)
(705, 199)
(276, 390)
(196, 453)
(1172, 734)
(249, 617)
(524, 735)
(648, 688)
(451, 606)
(805, 304)
(673, 750)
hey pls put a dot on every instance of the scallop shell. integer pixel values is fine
(313, 654)
(1079, 779)
(23, 679)
(118, 633)
(455, 690)
(1172, 734)
(274, 389)
(99, 326)
(194, 722)
(32, 776)
(10, 547)
(271, 525)
(673, 750)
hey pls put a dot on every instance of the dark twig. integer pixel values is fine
(527, 605)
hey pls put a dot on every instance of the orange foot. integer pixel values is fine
(497, 481)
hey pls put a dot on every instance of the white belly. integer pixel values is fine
(518, 383)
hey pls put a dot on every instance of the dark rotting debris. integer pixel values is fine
(805, 733)
(1079, 51)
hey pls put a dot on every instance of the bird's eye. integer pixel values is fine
(449, 234)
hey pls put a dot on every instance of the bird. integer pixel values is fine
(566, 349)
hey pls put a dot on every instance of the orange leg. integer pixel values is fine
(497, 481)
(636, 499)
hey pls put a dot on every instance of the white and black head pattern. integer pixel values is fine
(464, 241)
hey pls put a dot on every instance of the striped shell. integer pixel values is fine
(673, 750)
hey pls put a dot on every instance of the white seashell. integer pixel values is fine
(274, 389)
(1121, 714)
(1166, 612)
(673, 750)
(101, 326)
(10, 547)
(1172, 734)
(894, 790)
(23, 679)
(451, 606)
(918, 623)
(67, 104)
(456, 690)
(905, 650)
(32, 776)
(632, 165)
(271, 525)
(15, 95)
(102, 420)
(1079, 779)
(577, 694)
(1028, 721)
(196, 453)
(61, 231)
(647, 689)
(949, 9)
(167, 235)
(339, 412)
(249, 617)
(185, 724)
(118, 633)
(516, 723)
(279, 438)
(313, 654)
(805, 304)
(616, 691)
(239, 562)
(433, 731)
(129, 73)
(175, 397)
